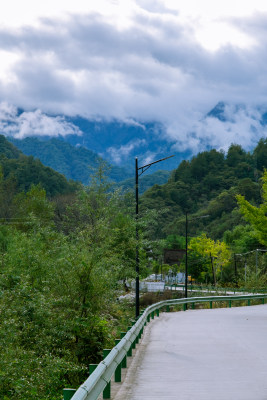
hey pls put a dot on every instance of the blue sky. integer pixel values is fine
(136, 60)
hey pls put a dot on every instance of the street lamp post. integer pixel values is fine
(137, 261)
(186, 261)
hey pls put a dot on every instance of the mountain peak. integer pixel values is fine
(218, 111)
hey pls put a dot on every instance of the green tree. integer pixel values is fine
(260, 154)
(33, 208)
(241, 239)
(256, 216)
(214, 255)
(175, 242)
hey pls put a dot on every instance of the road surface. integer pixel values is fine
(211, 354)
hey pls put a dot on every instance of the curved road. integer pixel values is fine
(217, 354)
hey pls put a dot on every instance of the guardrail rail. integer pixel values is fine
(116, 358)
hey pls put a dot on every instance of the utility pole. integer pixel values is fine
(186, 251)
(137, 261)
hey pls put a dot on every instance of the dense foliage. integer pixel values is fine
(208, 185)
(60, 268)
(67, 250)
(257, 216)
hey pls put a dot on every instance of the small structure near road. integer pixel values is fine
(146, 286)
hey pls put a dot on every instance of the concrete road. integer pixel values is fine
(217, 354)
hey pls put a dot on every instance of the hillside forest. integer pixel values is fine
(67, 251)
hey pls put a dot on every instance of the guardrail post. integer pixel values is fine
(193, 306)
(210, 304)
(262, 300)
(117, 376)
(129, 352)
(106, 391)
(124, 360)
(152, 315)
(92, 367)
(157, 312)
(248, 302)
(148, 318)
(168, 308)
(68, 393)
(137, 339)
(184, 306)
(230, 303)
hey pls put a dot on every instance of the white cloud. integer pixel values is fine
(30, 12)
(241, 125)
(147, 63)
(148, 158)
(7, 61)
(118, 154)
(33, 123)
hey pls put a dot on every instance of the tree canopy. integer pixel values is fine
(256, 216)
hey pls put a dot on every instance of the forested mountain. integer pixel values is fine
(120, 142)
(207, 184)
(19, 172)
(77, 163)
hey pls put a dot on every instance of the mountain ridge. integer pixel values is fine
(119, 142)
(76, 163)
(20, 171)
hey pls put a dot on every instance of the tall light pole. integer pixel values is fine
(186, 250)
(137, 261)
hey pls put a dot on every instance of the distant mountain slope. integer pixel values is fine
(120, 142)
(77, 163)
(23, 171)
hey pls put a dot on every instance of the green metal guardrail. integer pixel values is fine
(211, 288)
(115, 359)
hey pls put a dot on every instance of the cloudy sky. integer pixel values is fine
(166, 60)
